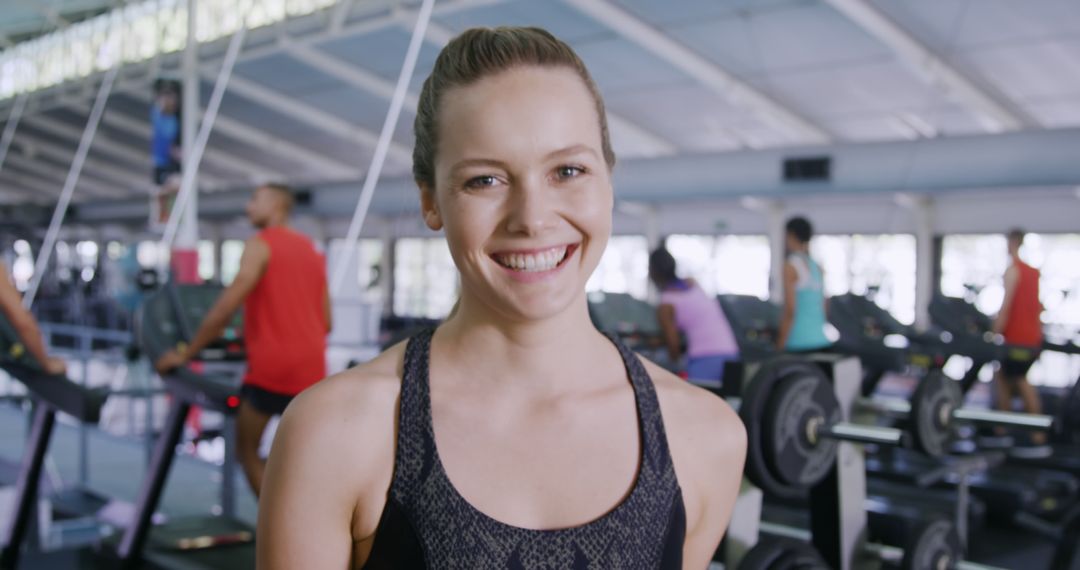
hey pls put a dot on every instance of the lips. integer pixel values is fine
(534, 261)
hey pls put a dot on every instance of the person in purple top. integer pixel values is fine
(686, 308)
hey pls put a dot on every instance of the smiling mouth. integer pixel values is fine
(535, 261)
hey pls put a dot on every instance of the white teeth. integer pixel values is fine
(542, 261)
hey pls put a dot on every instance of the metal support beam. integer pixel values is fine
(314, 116)
(54, 179)
(272, 144)
(124, 178)
(258, 138)
(220, 159)
(385, 138)
(69, 186)
(359, 78)
(736, 91)
(995, 114)
(28, 187)
(193, 153)
(9, 128)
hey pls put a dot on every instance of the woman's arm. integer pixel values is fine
(708, 447)
(665, 313)
(788, 314)
(328, 473)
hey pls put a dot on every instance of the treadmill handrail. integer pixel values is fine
(59, 391)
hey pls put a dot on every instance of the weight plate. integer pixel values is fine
(932, 545)
(753, 412)
(797, 407)
(781, 554)
(932, 405)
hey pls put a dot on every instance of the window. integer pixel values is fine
(22, 269)
(425, 278)
(207, 266)
(972, 267)
(367, 256)
(723, 264)
(623, 268)
(881, 267)
(231, 250)
(135, 32)
(151, 254)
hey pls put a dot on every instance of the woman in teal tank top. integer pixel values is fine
(802, 326)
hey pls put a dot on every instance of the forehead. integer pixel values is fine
(520, 111)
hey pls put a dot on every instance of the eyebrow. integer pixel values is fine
(575, 149)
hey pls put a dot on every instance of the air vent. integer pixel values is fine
(811, 169)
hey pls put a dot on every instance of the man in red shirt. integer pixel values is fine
(282, 286)
(1019, 321)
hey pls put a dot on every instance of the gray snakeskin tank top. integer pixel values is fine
(427, 524)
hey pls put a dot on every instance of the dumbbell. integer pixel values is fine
(794, 423)
(931, 545)
(936, 408)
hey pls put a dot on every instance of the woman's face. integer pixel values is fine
(522, 189)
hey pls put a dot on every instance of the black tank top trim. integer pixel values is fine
(427, 524)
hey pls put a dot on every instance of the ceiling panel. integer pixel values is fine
(948, 25)
(694, 11)
(798, 37)
(562, 21)
(1029, 70)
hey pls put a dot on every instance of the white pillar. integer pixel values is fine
(773, 211)
(187, 237)
(922, 213)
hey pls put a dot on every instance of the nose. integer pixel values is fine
(532, 209)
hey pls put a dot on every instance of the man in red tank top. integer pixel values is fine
(1020, 323)
(281, 284)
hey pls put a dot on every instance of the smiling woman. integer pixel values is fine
(515, 435)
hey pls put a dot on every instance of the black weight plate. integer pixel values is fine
(932, 545)
(932, 404)
(777, 553)
(795, 456)
(752, 410)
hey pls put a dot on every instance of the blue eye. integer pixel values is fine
(481, 182)
(566, 172)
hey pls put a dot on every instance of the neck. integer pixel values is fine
(535, 353)
(276, 222)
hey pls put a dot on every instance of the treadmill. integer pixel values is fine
(866, 331)
(971, 331)
(633, 321)
(166, 320)
(50, 394)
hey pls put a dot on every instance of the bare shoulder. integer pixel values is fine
(688, 409)
(351, 398)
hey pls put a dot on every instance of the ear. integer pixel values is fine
(429, 207)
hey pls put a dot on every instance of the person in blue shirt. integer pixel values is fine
(802, 324)
(165, 124)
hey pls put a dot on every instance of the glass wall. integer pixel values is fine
(425, 278)
(623, 268)
(881, 267)
(207, 255)
(724, 264)
(972, 267)
(231, 250)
